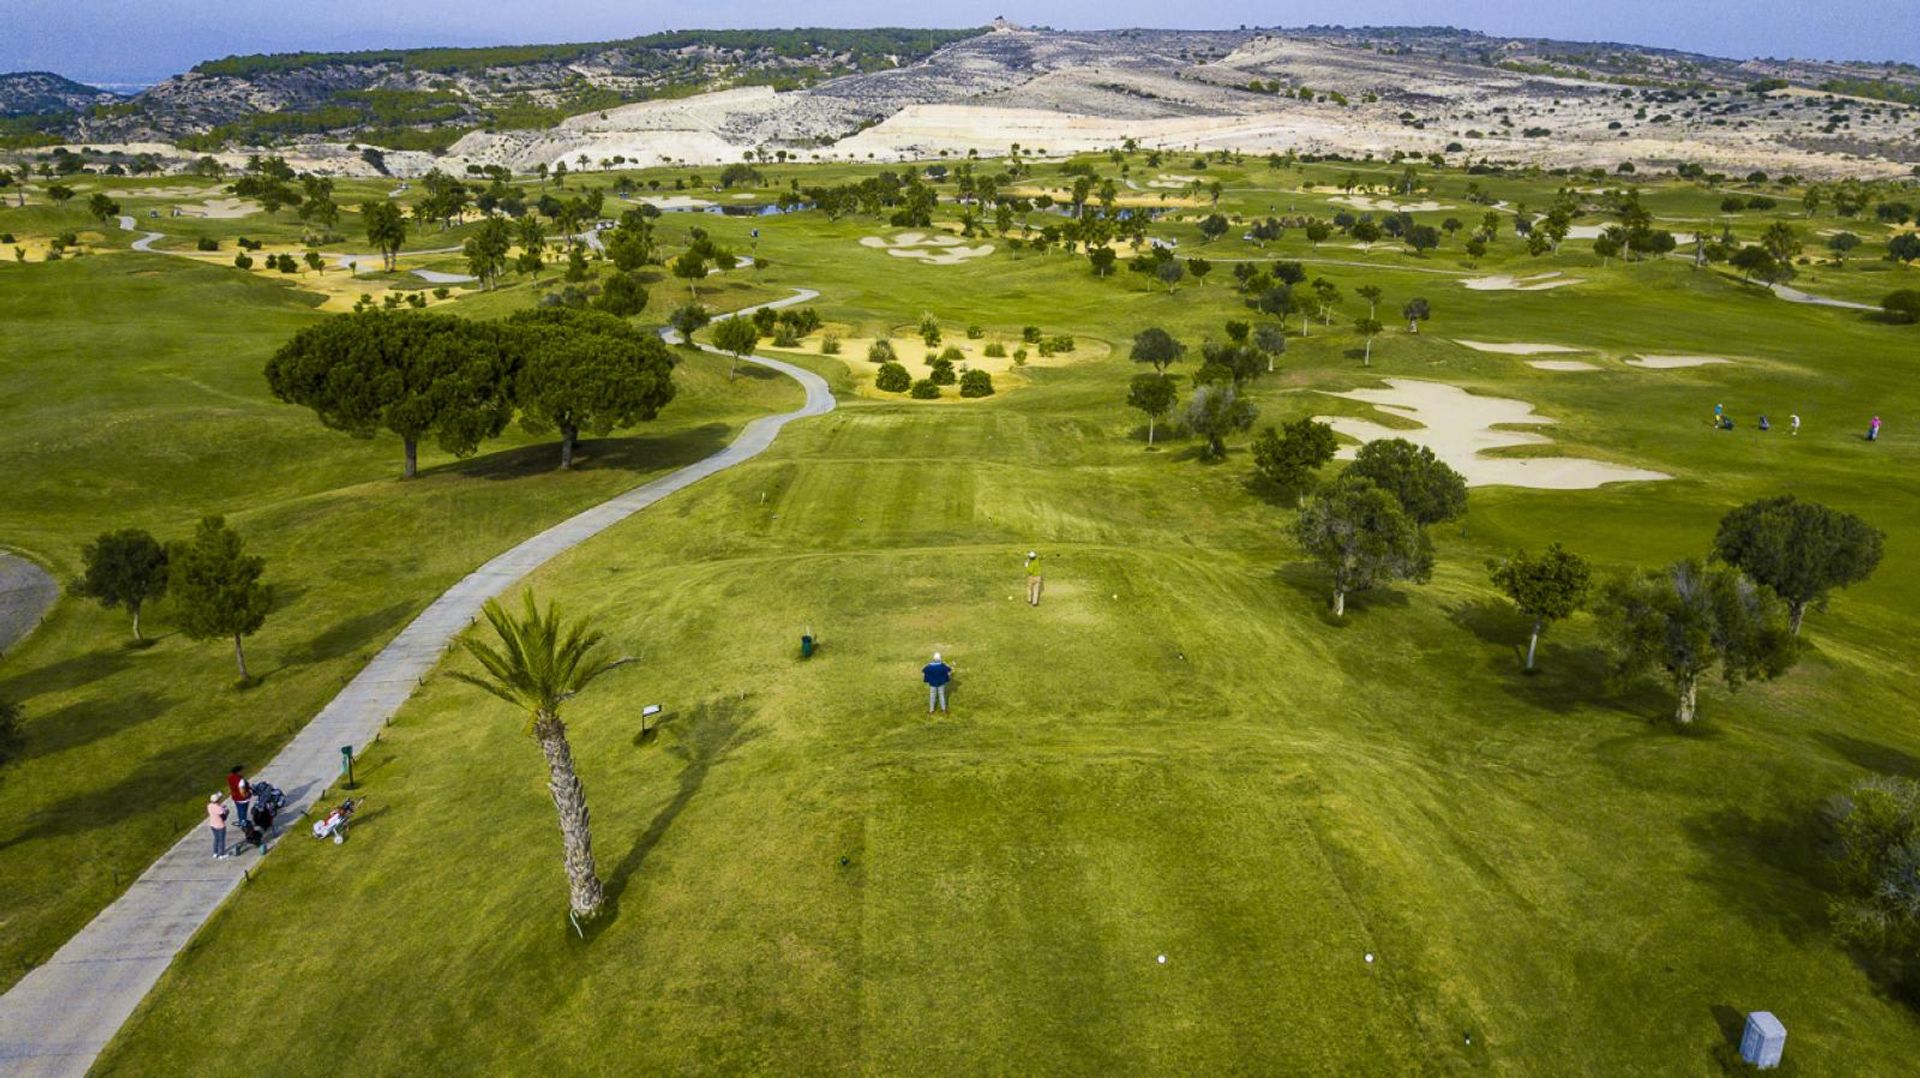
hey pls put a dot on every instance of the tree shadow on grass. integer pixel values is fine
(706, 735)
(343, 637)
(1766, 868)
(1873, 756)
(632, 454)
(86, 721)
(67, 673)
(182, 776)
(1311, 584)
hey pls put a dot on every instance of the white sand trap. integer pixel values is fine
(1459, 427)
(1172, 179)
(1517, 349)
(1592, 232)
(178, 191)
(1562, 365)
(1664, 363)
(1387, 205)
(937, 249)
(674, 202)
(1502, 282)
(221, 208)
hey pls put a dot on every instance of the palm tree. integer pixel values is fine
(540, 665)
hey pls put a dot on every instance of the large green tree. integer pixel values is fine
(1686, 619)
(1153, 394)
(386, 228)
(412, 374)
(737, 337)
(1157, 348)
(216, 588)
(587, 371)
(1290, 457)
(1215, 411)
(124, 569)
(1362, 537)
(1874, 855)
(1802, 550)
(487, 248)
(1546, 587)
(1429, 490)
(540, 664)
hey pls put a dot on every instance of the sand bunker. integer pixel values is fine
(1459, 427)
(1662, 363)
(1172, 179)
(674, 202)
(1502, 282)
(222, 208)
(1517, 349)
(177, 191)
(1387, 205)
(938, 248)
(1562, 365)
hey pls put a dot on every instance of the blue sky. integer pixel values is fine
(143, 40)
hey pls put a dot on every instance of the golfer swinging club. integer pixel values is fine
(1034, 581)
(936, 674)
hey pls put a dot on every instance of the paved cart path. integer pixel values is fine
(27, 592)
(58, 1018)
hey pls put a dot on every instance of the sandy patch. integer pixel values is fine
(220, 208)
(1387, 205)
(1172, 180)
(1460, 427)
(1592, 232)
(1502, 282)
(936, 248)
(175, 191)
(1517, 349)
(1663, 363)
(675, 202)
(1561, 365)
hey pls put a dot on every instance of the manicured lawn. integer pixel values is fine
(1179, 753)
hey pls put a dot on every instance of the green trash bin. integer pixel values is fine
(806, 645)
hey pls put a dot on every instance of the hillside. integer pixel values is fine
(32, 93)
(887, 94)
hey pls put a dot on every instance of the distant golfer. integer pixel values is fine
(1793, 423)
(936, 674)
(1034, 581)
(1873, 430)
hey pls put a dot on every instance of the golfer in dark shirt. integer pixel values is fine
(936, 674)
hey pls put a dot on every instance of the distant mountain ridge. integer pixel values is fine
(37, 93)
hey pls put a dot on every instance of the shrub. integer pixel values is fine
(247, 244)
(6, 237)
(1902, 306)
(881, 351)
(1046, 348)
(924, 390)
(1030, 334)
(942, 375)
(930, 329)
(893, 378)
(974, 333)
(442, 292)
(952, 354)
(1019, 357)
(996, 350)
(206, 243)
(976, 383)
(830, 345)
(1061, 343)
(784, 337)
(241, 260)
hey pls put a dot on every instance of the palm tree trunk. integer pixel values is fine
(585, 894)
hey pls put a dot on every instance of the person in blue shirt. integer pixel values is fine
(936, 674)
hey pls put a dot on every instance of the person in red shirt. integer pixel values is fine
(242, 793)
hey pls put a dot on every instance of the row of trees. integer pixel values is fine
(214, 585)
(461, 381)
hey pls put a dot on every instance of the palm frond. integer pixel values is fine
(541, 660)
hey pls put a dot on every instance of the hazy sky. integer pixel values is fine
(143, 40)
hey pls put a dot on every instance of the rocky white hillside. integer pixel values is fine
(1338, 92)
(33, 93)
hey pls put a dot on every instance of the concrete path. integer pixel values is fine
(27, 592)
(56, 1020)
(1794, 295)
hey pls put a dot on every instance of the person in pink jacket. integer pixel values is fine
(217, 823)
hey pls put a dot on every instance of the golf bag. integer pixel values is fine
(269, 796)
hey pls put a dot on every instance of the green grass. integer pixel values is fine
(158, 414)
(1178, 753)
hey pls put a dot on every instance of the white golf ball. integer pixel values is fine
(1163, 960)
(1369, 956)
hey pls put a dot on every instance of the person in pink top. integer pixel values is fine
(217, 823)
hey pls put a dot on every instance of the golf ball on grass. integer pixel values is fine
(1369, 957)
(1163, 960)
